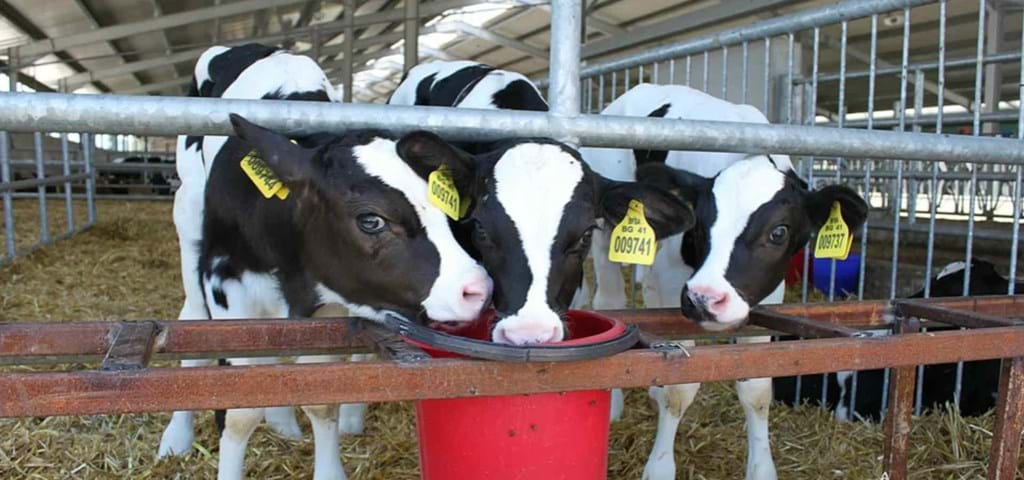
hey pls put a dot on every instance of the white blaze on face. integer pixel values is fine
(457, 269)
(534, 183)
(739, 191)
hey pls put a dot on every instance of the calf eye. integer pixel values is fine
(370, 223)
(778, 234)
(582, 243)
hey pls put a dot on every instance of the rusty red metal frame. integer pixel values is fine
(404, 373)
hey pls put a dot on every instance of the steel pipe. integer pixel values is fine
(28, 112)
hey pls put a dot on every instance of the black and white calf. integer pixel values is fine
(980, 380)
(534, 203)
(355, 228)
(752, 213)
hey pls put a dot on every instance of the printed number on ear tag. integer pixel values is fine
(264, 179)
(633, 238)
(834, 239)
(442, 193)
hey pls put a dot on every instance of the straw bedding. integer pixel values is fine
(126, 268)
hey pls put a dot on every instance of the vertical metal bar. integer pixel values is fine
(348, 60)
(565, 59)
(90, 181)
(746, 67)
(654, 75)
(614, 87)
(912, 207)
(625, 81)
(640, 74)
(44, 222)
(902, 106)
(600, 93)
(65, 158)
(810, 170)
(410, 48)
(789, 78)
(912, 184)
(897, 421)
(936, 195)
(767, 74)
(725, 73)
(978, 69)
(590, 95)
(314, 38)
(841, 124)
(672, 71)
(870, 163)
(688, 70)
(1009, 421)
(1015, 242)
(5, 177)
(705, 73)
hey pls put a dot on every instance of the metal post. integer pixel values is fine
(412, 34)
(1009, 421)
(993, 72)
(349, 46)
(44, 224)
(315, 41)
(912, 184)
(896, 449)
(5, 177)
(90, 182)
(564, 96)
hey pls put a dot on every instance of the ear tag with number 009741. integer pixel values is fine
(633, 239)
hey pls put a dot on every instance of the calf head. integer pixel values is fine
(750, 220)
(367, 233)
(534, 206)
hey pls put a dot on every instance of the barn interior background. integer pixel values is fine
(87, 227)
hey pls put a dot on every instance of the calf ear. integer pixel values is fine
(664, 211)
(290, 162)
(426, 152)
(854, 209)
(687, 186)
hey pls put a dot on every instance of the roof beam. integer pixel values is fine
(595, 21)
(683, 23)
(155, 87)
(50, 45)
(494, 38)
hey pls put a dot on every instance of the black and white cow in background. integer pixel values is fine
(534, 205)
(356, 228)
(752, 214)
(980, 380)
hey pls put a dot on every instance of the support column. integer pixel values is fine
(347, 67)
(412, 33)
(564, 73)
(993, 72)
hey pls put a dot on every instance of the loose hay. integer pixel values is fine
(126, 268)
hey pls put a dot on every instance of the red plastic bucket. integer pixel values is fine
(551, 436)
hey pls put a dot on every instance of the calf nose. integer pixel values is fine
(476, 293)
(521, 333)
(713, 300)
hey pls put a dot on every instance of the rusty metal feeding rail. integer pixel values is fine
(125, 383)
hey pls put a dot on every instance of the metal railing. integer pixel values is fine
(766, 64)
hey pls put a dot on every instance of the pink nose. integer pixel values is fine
(528, 334)
(714, 300)
(476, 293)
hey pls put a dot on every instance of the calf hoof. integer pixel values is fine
(661, 466)
(351, 418)
(176, 441)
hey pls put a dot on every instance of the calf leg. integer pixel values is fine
(352, 416)
(239, 423)
(178, 435)
(755, 395)
(672, 402)
(324, 419)
(282, 421)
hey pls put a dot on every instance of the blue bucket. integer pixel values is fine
(847, 272)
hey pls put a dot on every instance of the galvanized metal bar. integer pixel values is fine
(745, 73)
(803, 20)
(600, 94)
(789, 77)
(411, 29)
(90, 183)
(767, 75)
(177, 115)
(671, 72)
(1006, 437)
(5, 179)
(963, 62)
(898, 187)
(1015, 243)
(65, 158)
(935, 194)
(725, 73)
(688, 70)
(564, 96)
(872, 64)
(44, 222)
(896, 449)
(841, 122)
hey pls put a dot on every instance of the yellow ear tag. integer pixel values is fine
(264, 178)
(442, 193)
(633, 240)
(834, 239)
